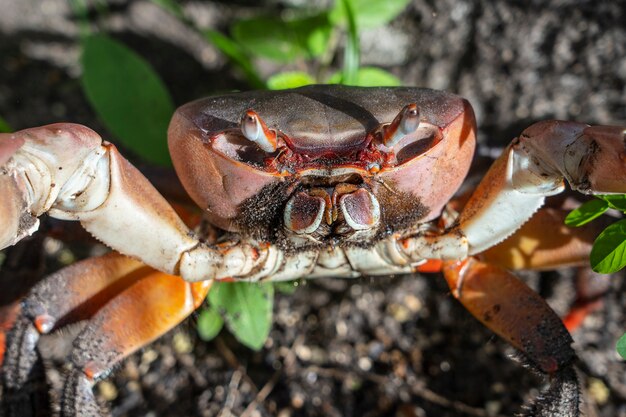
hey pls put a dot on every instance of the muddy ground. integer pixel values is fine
(393, 346)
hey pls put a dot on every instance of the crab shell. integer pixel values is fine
(329, 127)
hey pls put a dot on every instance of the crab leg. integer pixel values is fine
(11, 209)
(591, 159)
(128, 305)
(545, 242)
(535, 165)
(521, 317)
(69, 172)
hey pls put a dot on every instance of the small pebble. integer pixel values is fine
(303, 353)
(341, 328)
(182, 343)
(399, 312)
(598, 391)
(365, 364)
(493, 407)
(297, 401)
(413, 303)
(107, 390)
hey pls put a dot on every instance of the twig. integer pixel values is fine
(232, 361)
(419, 390)
(262, 394)
(232, 393)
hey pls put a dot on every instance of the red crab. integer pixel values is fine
(321, 181)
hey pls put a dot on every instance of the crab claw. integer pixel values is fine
(9, 144)
(255, 130)
(12, 207)
(406, 122)
(610, 170)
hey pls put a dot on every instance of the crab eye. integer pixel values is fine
(255, 130)
(405, 123)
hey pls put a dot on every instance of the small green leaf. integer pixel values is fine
(376, 77)
(608, 254)
(621, 346)
(369, 13)
(128, 96)
(283, 40)
(209, 323)
(4, 126)
(234, 52)
(586, 212)
(267, 37)
(247, 310)
(616, 201)
(286, 287)
(369, 77)
(285, 80)
(318, 35)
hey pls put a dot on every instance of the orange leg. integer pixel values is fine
(127, 305)
(8, 316)
(590, 289)
(20, 271)
(521, 317)
(545, 243)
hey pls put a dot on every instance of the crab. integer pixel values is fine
(319, 181)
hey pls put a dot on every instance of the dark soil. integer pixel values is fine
(394, 346)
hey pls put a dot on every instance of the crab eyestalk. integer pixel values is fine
(255, 130)
(405, 123)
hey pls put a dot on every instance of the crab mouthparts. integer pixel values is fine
(347, 209)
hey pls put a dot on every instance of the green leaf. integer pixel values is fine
(608, 254)
(267, 37)
(247, 310)
(351, 54)
(128, 96)
(317, 35)
(283, 40)
(286, 287)
(621, 346)
(615, 201)
(586, 212)
(376, 77)
(285, 80)
(369, 13)
(369, 77)
(4, 126)
(209, 323)
(234, 52)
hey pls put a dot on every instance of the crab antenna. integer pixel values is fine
(406, 122)
(255, 130)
